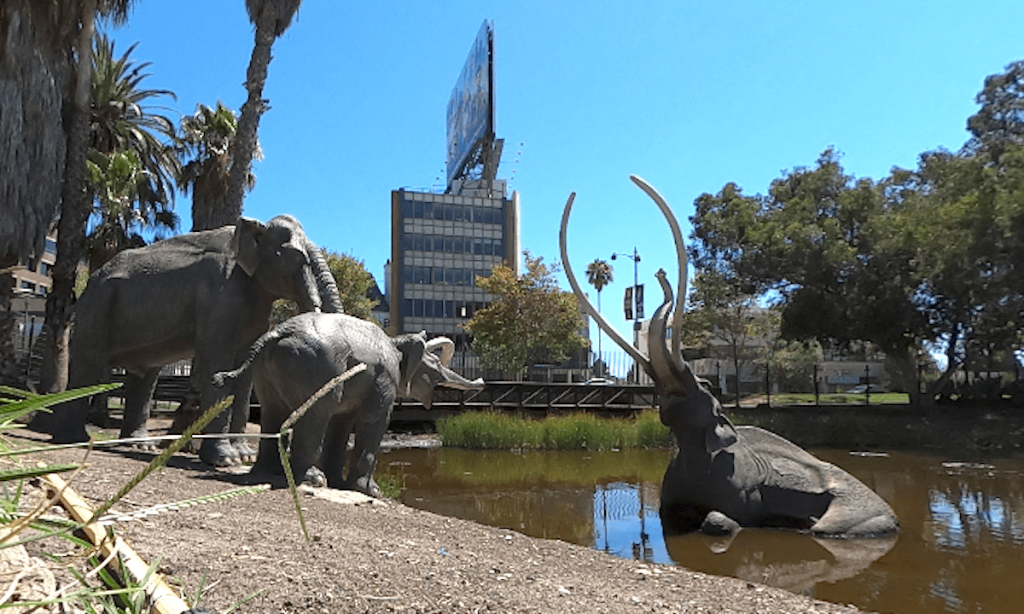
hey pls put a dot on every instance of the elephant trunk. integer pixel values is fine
(330, 298)
(666, 365)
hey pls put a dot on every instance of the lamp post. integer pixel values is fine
(635, 257)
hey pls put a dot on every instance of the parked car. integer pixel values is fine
(865, 388)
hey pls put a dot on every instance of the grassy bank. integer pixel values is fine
(497, 431)
(955, 431)
(841, 398)
(943, 430)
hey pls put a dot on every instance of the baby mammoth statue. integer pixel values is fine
(293, 361)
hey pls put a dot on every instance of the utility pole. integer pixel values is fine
(637, 309)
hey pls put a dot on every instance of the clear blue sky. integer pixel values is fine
(688, 95)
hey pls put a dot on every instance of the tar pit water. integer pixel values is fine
(960, 547)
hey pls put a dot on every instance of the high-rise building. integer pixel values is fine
(440, 244)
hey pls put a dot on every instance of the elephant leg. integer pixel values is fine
(335, 450)
(67, 422)
(138, 391)
(273, 413)
(364, 460)
(240, 418)
(98, 412)
(218, 451)
(307, 439)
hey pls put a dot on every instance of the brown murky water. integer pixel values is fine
(960, 546)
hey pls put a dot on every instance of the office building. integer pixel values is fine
(440, 244)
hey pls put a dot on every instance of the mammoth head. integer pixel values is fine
(286, 263)
(425, 365)
(687, 406)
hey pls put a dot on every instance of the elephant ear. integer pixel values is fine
(245, 243)
(412, 347)
(720, 435)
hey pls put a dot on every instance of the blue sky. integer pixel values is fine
(688, 95)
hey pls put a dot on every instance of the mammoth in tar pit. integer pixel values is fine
(725, 476)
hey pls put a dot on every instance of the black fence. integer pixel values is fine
(535, 398)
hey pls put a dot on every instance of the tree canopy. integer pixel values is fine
(530, 320)
(353, 281)
(924, 258)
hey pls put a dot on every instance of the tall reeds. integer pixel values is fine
(576, 431)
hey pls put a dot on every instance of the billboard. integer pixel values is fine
(471, 105)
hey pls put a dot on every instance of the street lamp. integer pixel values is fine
(637, 305)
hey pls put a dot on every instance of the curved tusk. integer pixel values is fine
(588, 307)
(670, 375)
(447, 348)
(677, 236)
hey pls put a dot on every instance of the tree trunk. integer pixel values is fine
(8, 320)
(902, 367)
(249, 119)
(75, 211)
(736, 367)
(209, 213)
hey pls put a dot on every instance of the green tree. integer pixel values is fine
(271, 18)
(354, 283)
(790, 363)
(115, 180)
(132, 161)
(529, 321)
(963, 220)
(725, 321)
(599, 275)
(206, 139)
(824, 244)
(124, 118)
(999, 123)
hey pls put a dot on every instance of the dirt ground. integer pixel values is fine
(370, 555)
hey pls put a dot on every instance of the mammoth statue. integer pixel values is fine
(294, 360)
(727, 476)
(204, 295)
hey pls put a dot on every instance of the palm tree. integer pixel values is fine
(117, 180)
(78, 18)
(123, 120)
(132, 159)
(36, 77)
(206, 142)
(271, 18)
(599, 275)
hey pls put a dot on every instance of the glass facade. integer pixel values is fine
(441, 244)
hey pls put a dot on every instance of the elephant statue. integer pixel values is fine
(723, 476)
(298, 357)
(203, 295)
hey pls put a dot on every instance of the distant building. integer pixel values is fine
(32, 283)
(440, 244)
(36, 280)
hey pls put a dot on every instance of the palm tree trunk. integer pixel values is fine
(249, 119)
(74, 215)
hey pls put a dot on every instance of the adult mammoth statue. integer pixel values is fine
(204, 295)
(294, 360)
(725, 476)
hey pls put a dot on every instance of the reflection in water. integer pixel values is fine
(959, 548)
